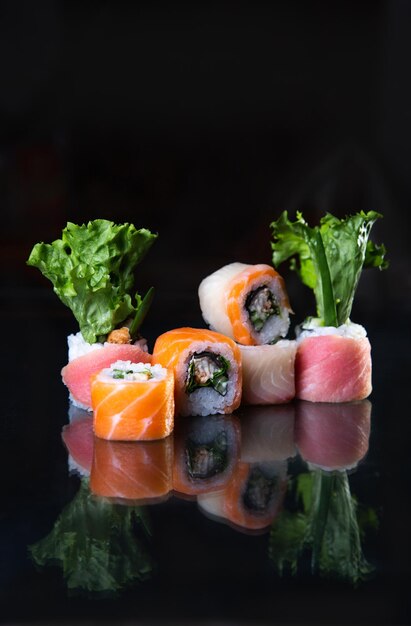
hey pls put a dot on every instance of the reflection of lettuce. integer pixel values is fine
(325, 526)
(100, 546)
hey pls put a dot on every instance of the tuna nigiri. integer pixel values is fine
(248, 303)
(133, 401)
(207, 369)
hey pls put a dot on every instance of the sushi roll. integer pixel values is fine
(333, 436)
(133, 402)
(207, 369)
(253, 498)
(267, 433)
(333, 364)
(248, 303)
(132, 472)
(206, 450)
(78, 439)
(85, 360)
(268, 373)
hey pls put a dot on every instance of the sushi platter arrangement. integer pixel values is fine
(237, 416)
(241, 357)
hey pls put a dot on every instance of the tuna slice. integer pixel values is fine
(76, 374)
(78, 438)
(268, 373)
(333, 436)
(332, 368)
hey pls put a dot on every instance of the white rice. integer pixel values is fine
(78, 346)
(205, 400)
(133, 372)
(351, 330)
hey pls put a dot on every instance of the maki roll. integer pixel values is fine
(268, 373)
(137, 472)
(333, 364)
(85, 362)
(133, 402)
(333, 436)
(267, 433)
(207, 370)
(248, 303)
(206, 450)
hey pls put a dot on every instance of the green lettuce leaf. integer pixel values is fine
(100, 546)
(324, 525)
(92, 270)
(328, 258)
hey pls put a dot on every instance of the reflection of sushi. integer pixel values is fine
(78, 438)
(333, 436)
(252, 499)
(205, 453)
(268, 373)
(138, 471)
(248, 303)
(207, 368)
(77, 373)
(333, 364)
(133, 401)
(267, 433)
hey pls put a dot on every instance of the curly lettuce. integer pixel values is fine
(92, 270)
(329, 258)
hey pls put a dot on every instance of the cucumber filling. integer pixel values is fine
(207, 459)
(206, 369)
(261, 305)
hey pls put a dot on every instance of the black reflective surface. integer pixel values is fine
(173, 554)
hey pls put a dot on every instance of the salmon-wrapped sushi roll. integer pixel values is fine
(134, 471)
(333, 364)
(207, 369)
(248, 303)
(268, 373)
(206, 450)
(253, 498)
(133, 401)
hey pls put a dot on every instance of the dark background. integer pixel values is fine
(203, 121)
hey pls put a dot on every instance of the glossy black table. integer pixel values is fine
(188, 566)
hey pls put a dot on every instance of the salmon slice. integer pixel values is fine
(77, 373)
(133, 410)
(206, 450)
(175, 348)
(333, 436)
(224, 298)
(137, 471)
(268, 373)
(333, 368)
